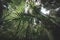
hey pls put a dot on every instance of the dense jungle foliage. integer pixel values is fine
(25, 20)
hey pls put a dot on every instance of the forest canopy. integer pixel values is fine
(29, 20)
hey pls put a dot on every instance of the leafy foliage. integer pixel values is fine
(17, 25)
